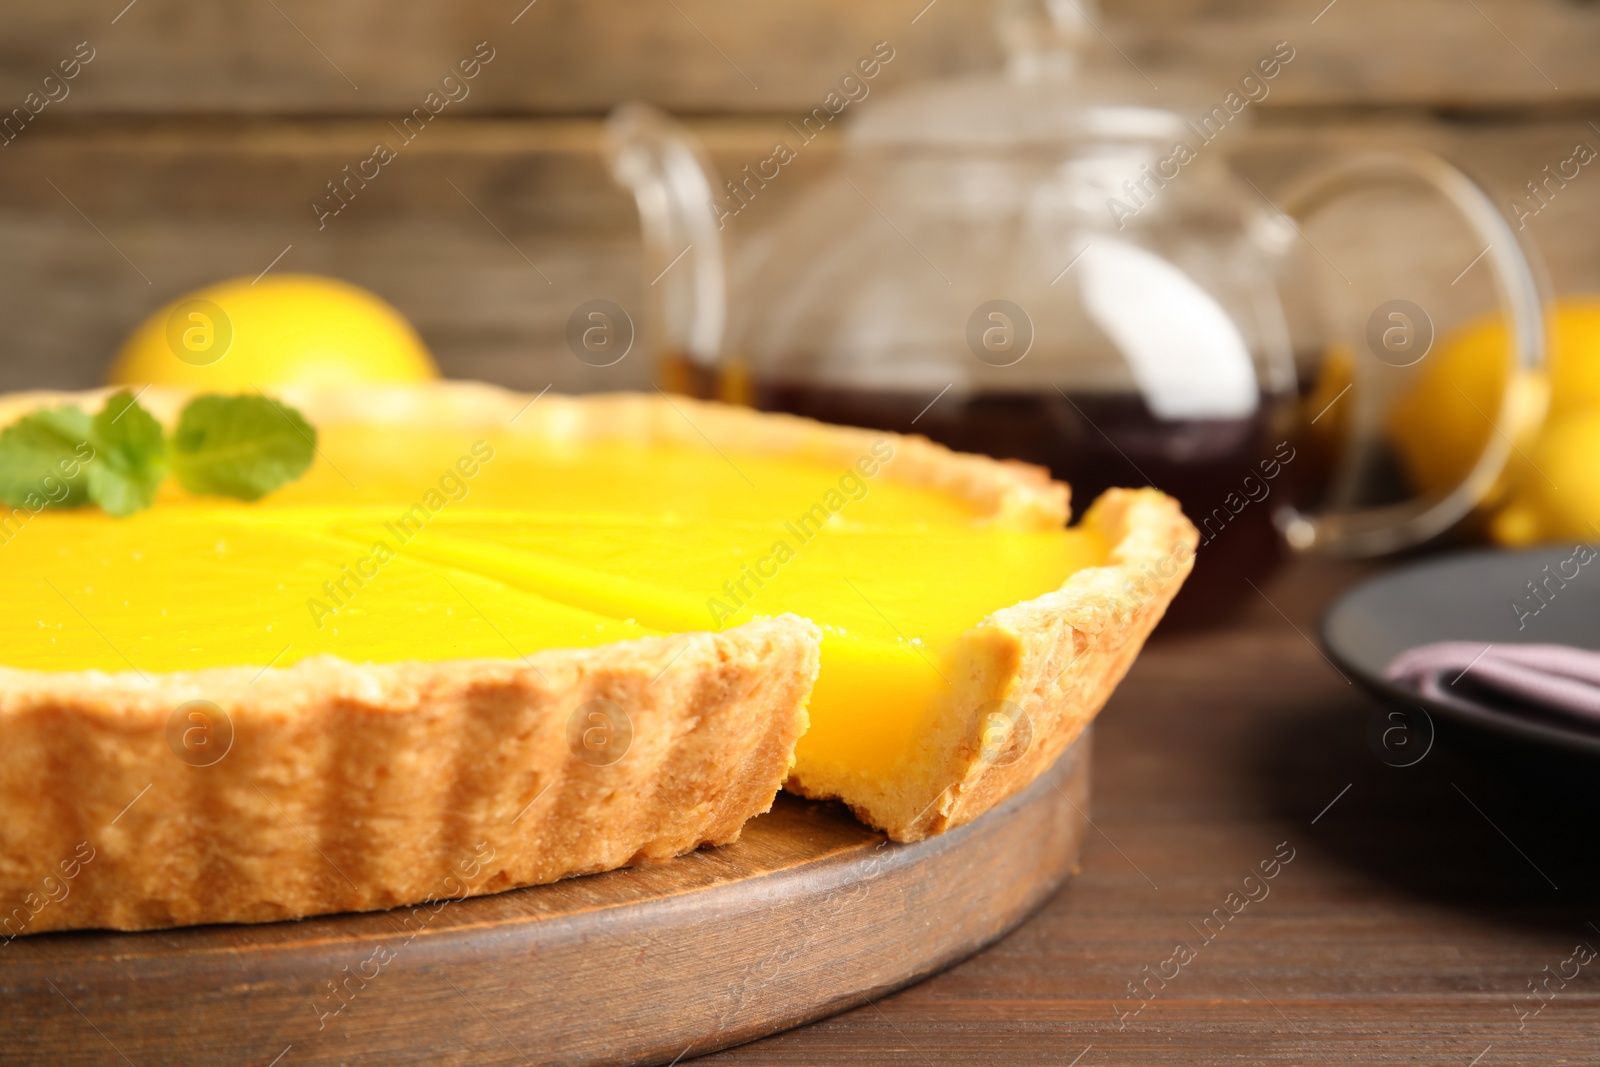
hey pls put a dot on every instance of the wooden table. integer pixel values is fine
(1420, 907)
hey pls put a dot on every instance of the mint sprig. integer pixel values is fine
(42, 457)
(235, 446)
(240, 446)
(131, 456)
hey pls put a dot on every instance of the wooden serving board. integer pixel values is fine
(808, 914)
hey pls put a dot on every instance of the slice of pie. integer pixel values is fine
(492, 640)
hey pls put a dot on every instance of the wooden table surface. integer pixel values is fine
(1420, 909)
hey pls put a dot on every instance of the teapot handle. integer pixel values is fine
(1389, 528)
(685, 280)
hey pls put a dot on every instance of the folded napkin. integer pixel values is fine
(1556, 679)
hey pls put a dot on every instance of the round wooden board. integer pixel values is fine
(808, 914)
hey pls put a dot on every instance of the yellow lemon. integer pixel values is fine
(283, 329)
(1441, 424)
(1575, 356)
(1325, 418)
(1557, 487)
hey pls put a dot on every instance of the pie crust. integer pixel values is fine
(355, 787)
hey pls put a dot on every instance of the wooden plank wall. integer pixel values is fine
(191, 145)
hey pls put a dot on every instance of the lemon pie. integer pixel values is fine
(565, 634)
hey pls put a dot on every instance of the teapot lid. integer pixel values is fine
(1065, 80)
(996, 112)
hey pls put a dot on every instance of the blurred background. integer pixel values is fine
(193, 144)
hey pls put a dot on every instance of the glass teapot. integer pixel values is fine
(1047, 266)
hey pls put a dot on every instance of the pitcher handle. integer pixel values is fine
(1389, 528)
(685, 281)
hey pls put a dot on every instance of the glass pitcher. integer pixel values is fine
(1047, 266)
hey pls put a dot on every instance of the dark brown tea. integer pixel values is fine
(1227, 473)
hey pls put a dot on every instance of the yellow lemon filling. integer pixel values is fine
(189, 588)
(404, 545)
(372, 464)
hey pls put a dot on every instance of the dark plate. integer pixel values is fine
(1469, 596)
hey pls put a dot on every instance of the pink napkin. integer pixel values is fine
(1472, 674)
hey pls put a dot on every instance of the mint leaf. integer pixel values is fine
(42, 460)
(240, 446)
(132, 456)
